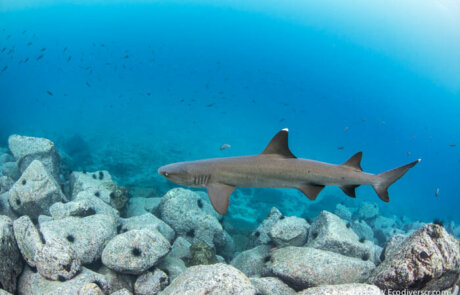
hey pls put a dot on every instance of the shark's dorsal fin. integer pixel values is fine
(279, 145)
(219, 194)
(355, 161)
(311, 190)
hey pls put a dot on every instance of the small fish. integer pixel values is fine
(210, 105)
(282, 120)
(3, 49)
(126, 56)
(346, 129)
(49, 93)
(26, 59)
(149, 94)
(65, 49)
(437, 192)
(452, 144)
(40, 57)
(408, 154)
(43, 49)
(87, 84)
(69, 58)
(340, 147)
(225, 146)
(4, 69)
(29, 43)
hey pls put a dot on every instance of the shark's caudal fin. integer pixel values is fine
(385, 179)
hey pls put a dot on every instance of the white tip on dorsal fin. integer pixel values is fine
(285, 129)
(279, 145)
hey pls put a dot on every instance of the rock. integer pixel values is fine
(382, 222)
(10, 262)
(151, 283)
(216, 279)
(11, 170)
(28, 149)
(382, 235)
(304, 267)
(90, 289)
(289, 231)
(229, 247)
(6, 183)
(87, 235)
(35, 191)
(172, 266)
(191, 217)
(140, 206)
(5, 208)
(252, 262)
(343, 289)
(57, 261)
(180, 248)
(367, 210)
(150, 222)
(392, 246)
(329, 232)
(28, 238)
(117, 281)
(271, 286)
(343, 212)
(44, 218)
(362, 229)
(32, 283)
(122, 292)
(84, 204)
(413, 226)
(429, 259)
(201, 254)
(135, 251)
(3, 292)
(260, 235)
(101, 185)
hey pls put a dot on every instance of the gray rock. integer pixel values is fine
(150, 222)
(329, 232)
(140, 206)
(180, 208)
(343, 212)
(216, 279)
(28, 238)
(122, 292)
(252, 262)
(6, 183)
(84, 204)
(304, 267)
(10, 262)
(11, 170)
(367, 210)
(90, 289)
(382, 235)
(173, 266)
(393, 245)
(151, 283)
(87, 235)
(117, 281)
(57, 261)
(344, 289)
(5, 208)
(99, 184)
(180, 248)
(135, 251)
(362, 229)
(413, 226)
(3, 292)
(429, 259)
(35, 191)
(228, 251)
(260, 235)
(289, 231)
(28, 149)
(271, 286)
(32, 283)
(44, 218)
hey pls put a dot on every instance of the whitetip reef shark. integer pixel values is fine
(277, 167)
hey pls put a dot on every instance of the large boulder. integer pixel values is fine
(32, 283)
(217, 279)
(393, 246)
(289, 231)
(87, 235)
(28, 238)
(147, 221)
(261, 235)
(252, 262)
(151, 283)
(28, 149)
(35, 191)
(192, 217)
(304, 267)
(271, 286)
(344, 289)
(429, 259)
(367, 210)
(10, 262)
(139, 206)
(135, 251)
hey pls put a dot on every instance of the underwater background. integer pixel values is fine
(129, 87)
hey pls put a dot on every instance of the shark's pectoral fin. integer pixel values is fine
(355, 161)
(311, 190)
(219, 194)
(349, 190)
(279, 145)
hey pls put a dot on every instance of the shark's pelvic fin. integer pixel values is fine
(311, 190)
(279, 145)
(219, 194)
(349, 190)
(355, 161)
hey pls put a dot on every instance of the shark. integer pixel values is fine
(277, 167)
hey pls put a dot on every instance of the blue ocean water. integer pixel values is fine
(129, 87)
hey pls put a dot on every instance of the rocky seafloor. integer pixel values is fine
(81, 233)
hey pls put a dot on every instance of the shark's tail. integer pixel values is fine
(385, 179)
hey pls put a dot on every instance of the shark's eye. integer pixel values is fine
(166, 174)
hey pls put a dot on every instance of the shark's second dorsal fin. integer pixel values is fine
(279, 145)
(355, 161)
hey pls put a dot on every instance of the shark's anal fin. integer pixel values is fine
(349, 190)
(219, 194)
(311, 190)
(279, 145)
(355, 161)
